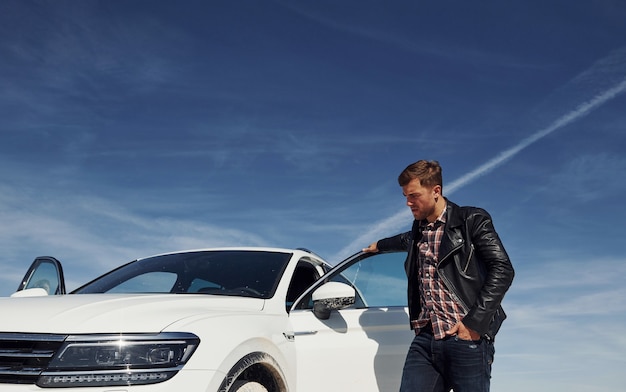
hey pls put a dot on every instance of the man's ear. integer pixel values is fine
(437, 190)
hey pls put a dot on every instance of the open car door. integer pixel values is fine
(45, 273)
(351, 328)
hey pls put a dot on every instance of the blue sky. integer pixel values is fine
(130, 128)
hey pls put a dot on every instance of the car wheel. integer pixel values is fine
(247, 386)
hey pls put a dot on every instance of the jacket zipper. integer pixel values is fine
(471, 253)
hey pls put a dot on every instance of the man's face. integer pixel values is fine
(422, 200)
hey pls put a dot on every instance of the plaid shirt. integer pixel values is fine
(438, 306)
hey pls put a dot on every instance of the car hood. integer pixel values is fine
(114, 313)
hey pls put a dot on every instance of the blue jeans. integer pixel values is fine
(451, 363)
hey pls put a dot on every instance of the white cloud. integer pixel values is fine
(563, 327)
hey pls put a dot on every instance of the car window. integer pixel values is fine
(151, 282)
(236, 273)
(204, 286)
(303, 277)
(379, 280)
(45, 277)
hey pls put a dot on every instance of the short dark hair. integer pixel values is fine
(428, 172)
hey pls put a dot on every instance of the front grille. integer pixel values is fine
(24, 356)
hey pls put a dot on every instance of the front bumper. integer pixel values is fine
(184, 381)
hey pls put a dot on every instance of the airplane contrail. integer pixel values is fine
(394, 222)
(563, 121)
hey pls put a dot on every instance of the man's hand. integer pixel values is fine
(462, 332)
(373, 248)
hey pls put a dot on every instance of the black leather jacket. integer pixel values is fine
(472, 263)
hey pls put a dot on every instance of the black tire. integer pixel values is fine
(247, 386)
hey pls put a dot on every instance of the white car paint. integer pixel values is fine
(106, 313)
(356, 349)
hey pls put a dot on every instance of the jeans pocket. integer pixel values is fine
(471, 343)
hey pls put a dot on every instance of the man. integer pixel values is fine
(458, 273)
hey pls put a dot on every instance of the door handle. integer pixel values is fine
(302, 333)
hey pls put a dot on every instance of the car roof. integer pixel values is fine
(298, 251)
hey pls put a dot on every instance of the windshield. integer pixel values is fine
(240, 273)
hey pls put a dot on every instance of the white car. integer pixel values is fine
(213, 320)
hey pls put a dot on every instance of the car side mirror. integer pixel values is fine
(332, 296)
(34, 292)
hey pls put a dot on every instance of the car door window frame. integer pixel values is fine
(45, 272)
(336, 274)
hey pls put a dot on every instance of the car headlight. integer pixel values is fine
(114, 360)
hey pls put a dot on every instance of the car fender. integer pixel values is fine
(236, 338)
